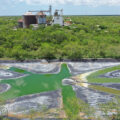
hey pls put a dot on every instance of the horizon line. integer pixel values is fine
(70, 15)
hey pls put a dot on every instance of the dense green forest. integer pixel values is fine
(87, 37)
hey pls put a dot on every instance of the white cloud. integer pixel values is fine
(73, 2)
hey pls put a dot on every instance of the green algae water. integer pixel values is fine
(37, 83)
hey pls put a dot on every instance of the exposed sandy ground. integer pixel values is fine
(46, 104)
(91, 96)
(4, 88)
(82, 90)
(3, 66)
(113, 74)
(7, 74)
(54, 67)
(38, 67)
(77, 68)
(82, 79)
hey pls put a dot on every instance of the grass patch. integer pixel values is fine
(35, 83)
(94, 77)
(67, 93)
(105, 89)
(7, 59)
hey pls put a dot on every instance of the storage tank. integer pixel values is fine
(41, 18)
(58, 18)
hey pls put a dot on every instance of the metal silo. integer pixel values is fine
(41, 18)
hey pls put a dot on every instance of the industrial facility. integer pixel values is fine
(58, 18)
(35, 18)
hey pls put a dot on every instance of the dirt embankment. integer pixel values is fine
(64, 60)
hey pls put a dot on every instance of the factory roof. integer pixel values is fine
(41, 14)
(28, 13)
(68, 22)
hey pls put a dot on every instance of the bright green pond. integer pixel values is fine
(36, 83)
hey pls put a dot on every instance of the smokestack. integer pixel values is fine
(50, 10)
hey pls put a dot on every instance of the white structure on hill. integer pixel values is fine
(58, 18)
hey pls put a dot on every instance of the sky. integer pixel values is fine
(70, 7)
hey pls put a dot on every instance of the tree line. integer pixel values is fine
(87, 37)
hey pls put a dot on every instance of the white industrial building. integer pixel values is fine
(58, 18)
